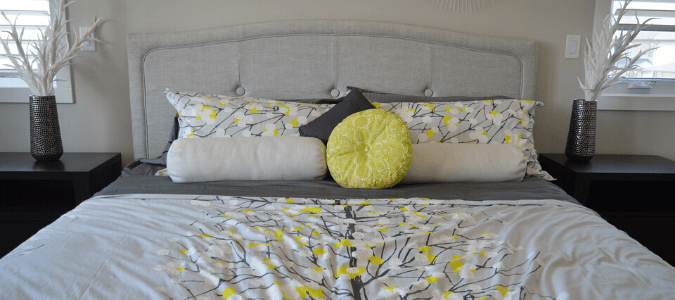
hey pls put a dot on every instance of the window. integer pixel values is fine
(652, 87)
(32, 16)
(659, 63)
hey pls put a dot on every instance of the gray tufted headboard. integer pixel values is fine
(310, 59)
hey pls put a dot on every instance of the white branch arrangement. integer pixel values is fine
(602, 56)
(50, 53)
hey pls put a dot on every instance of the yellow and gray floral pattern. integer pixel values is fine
(472, 122)
(206, 115)
(302, 248)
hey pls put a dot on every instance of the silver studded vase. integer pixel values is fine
(581, 136)
(45, 134)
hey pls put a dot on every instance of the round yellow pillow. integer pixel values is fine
(370, 149)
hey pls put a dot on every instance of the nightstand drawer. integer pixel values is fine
(34, 194)
(631, 192)
(37, 198)
(652, 231)
(15, 232)
(631, 196)
(609, 174)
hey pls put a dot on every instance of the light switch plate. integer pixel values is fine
(89, 46)
(572, 46)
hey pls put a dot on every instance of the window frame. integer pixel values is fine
(63, 90)
(661, 97)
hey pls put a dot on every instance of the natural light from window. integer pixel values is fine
(651, 87)
(31, 16)
(659, 63)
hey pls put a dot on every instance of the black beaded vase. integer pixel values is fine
(45, 134)
(581, 136)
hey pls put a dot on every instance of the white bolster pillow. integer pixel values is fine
(246, 158)
(434, 162)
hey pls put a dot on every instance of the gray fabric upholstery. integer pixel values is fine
(306, 59)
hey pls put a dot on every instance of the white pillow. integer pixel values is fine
(444, 162)
(245, 158)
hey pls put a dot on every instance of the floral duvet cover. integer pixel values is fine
(155, 246)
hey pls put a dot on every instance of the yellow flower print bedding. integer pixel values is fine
(206, 115)
(473, 122)
(479, 122)
(151, 246)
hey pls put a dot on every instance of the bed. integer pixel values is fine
(147, 237)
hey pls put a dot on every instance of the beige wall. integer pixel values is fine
(100, 118)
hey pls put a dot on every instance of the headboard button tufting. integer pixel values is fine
(428, 93)
(240, 91)
(335, 93)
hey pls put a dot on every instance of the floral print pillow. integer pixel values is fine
(473, 122)
(205, 115)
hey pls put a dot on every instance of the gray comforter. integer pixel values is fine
(137, 178)
(532, 188)
(171, 246)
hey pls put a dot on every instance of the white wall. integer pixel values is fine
(100, 118)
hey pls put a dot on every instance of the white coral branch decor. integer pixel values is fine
(606, 51)
(43, 58)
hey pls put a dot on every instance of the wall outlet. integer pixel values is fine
(89, 46)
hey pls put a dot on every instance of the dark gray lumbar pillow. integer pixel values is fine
(322, 127)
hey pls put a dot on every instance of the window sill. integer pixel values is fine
(650, 102)
(63, 90)
(20, 95)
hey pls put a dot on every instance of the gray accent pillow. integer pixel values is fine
(323, 126)
(173, 135)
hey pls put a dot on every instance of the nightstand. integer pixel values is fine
(632, 192)
(34, 194)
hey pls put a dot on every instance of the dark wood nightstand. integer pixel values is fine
(632, 192)
(34, 194)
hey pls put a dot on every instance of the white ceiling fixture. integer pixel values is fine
(461, 5)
